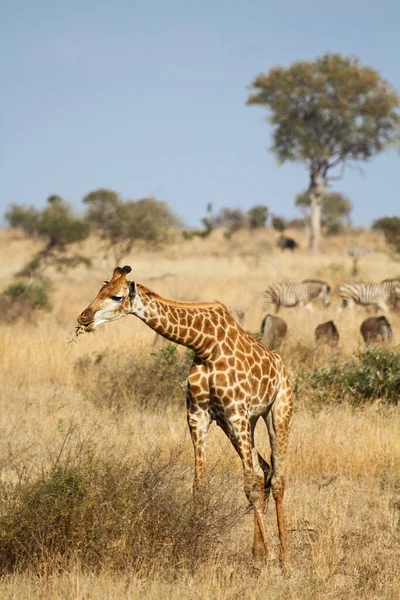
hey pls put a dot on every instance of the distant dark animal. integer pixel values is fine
(273, 332)
(376, 329)
(297, 294)
(366, 294)
(287, 243)
(327, 333)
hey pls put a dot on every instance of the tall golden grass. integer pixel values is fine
(343, 488)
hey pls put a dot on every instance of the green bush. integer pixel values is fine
(390, 226)
(278, 223)
(373, 374)
(257, 216)
(35, 295)
(117, 382)
(22, 299)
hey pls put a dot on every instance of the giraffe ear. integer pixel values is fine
(132, 289)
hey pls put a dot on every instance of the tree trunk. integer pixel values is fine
(316, 191)
(315, 235)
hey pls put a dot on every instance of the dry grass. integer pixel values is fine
(343, 491)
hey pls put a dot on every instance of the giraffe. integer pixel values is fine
(234, 380)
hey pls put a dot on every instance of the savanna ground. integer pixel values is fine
(96, 461)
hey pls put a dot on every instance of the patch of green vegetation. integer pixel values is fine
(23, 298)
(373, 374)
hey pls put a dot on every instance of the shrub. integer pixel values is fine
(110, 512)
(390, 226)
(22, 299)
(278, 223)
(374, 374)
(117, 382)
(231, 219)
(257, 216)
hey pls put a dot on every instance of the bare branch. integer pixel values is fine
(342, 170)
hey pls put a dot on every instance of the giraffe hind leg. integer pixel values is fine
(263, 473)
(278, 424)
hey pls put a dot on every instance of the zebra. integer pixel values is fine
(366, 294)
(297, 294)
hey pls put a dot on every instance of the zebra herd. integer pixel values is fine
(302, 294)
(374, 329)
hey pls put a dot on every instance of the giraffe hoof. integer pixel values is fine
(258, 567)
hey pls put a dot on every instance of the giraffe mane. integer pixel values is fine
(145, 291)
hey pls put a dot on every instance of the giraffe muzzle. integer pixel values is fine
(85, 320)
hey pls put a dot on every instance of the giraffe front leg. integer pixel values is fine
(198, 421)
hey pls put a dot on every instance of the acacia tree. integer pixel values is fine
(121, 223)
(57, 226)
(335, 209)
(325, 114)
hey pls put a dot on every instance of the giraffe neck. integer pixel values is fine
(197, 325)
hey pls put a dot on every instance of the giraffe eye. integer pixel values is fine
(116, 298)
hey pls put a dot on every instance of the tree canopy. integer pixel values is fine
(121, 223)
(57, 225)
(324, 114)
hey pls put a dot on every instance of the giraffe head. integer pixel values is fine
(115, 300)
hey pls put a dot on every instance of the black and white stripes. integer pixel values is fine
(367, 294)
(296, 294)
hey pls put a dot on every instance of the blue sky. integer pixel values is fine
(148, 97)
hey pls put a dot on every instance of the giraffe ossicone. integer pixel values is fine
(234, 380)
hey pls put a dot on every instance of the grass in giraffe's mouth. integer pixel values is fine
(80, 329)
